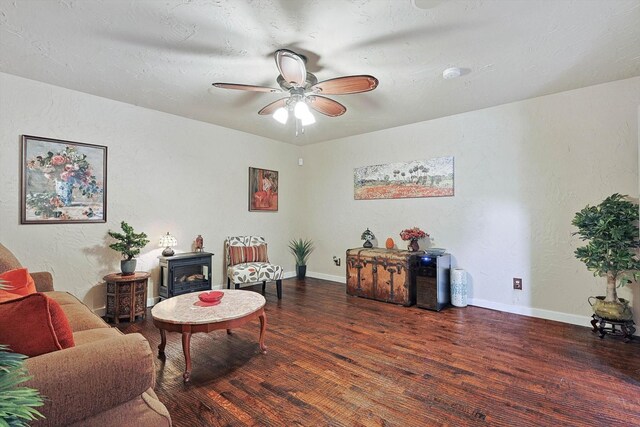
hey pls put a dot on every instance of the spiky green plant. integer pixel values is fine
(130, 242)
(611, 229)
(17, 404)
(301, 249)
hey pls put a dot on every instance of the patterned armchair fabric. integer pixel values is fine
(251, 272)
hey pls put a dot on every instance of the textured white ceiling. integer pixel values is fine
(164, 54)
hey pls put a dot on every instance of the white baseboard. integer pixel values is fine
(289, 274)
(573, 319)
(331, 277)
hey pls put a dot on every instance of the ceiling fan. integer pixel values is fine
(304, 90)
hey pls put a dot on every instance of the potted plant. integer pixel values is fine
(301, 249)
(129, 245)
(611, 229)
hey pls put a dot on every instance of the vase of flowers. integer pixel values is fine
(412, 235)
(68, 169)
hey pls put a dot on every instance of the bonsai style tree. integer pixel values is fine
(129, 243)
(611, 229)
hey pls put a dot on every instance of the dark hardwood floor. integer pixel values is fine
(337, 360)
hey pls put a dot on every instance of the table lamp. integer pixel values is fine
(168, 241)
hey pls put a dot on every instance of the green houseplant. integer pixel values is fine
(611, 230)
(17, 404)
(129, 244)
(301, 249)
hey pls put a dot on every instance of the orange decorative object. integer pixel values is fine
(390, 243)
(20, 284)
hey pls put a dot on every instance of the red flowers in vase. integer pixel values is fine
(413, 234)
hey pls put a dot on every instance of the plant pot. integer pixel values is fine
(128, 267)
(301, 271)
(612, 310)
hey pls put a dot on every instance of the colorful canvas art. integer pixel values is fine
(419, 178)
(263, 190)
(62, 181)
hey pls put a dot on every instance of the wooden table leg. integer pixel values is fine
(263, 329)
(163, 342)
(186, 343)
(132, 306)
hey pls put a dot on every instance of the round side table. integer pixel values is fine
(126, 295)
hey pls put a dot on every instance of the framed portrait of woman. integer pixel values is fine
(263, 190)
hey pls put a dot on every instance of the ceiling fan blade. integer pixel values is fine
(291, 67)
(326, 106)
(346, 85)
(250, 88)
(269, 109)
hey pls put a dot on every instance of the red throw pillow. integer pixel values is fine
(20, 283)
(34, 325)
(255, 253)
(236, 255)
(242, 254)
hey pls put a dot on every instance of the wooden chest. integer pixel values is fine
(382, 274)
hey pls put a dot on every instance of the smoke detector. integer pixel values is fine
(451, 73)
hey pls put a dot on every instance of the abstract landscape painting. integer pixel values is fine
(418, 178)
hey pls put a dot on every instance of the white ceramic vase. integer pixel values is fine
(458, 287)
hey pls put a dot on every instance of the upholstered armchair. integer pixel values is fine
(247, 262)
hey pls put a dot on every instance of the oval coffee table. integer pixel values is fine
(184, 314)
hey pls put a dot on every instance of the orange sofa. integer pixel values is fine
(106, 379)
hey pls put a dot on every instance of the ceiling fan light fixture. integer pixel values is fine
(301, 110)
(281, 115)
(308, 120)
(304, 91)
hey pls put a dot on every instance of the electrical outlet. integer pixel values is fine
(517, 283)
(336, 261)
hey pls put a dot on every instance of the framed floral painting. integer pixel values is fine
(263, 190)
(62, 182)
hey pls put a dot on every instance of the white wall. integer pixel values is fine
(522, 170)
(165, 173)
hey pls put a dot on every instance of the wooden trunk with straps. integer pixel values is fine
(382, 274)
